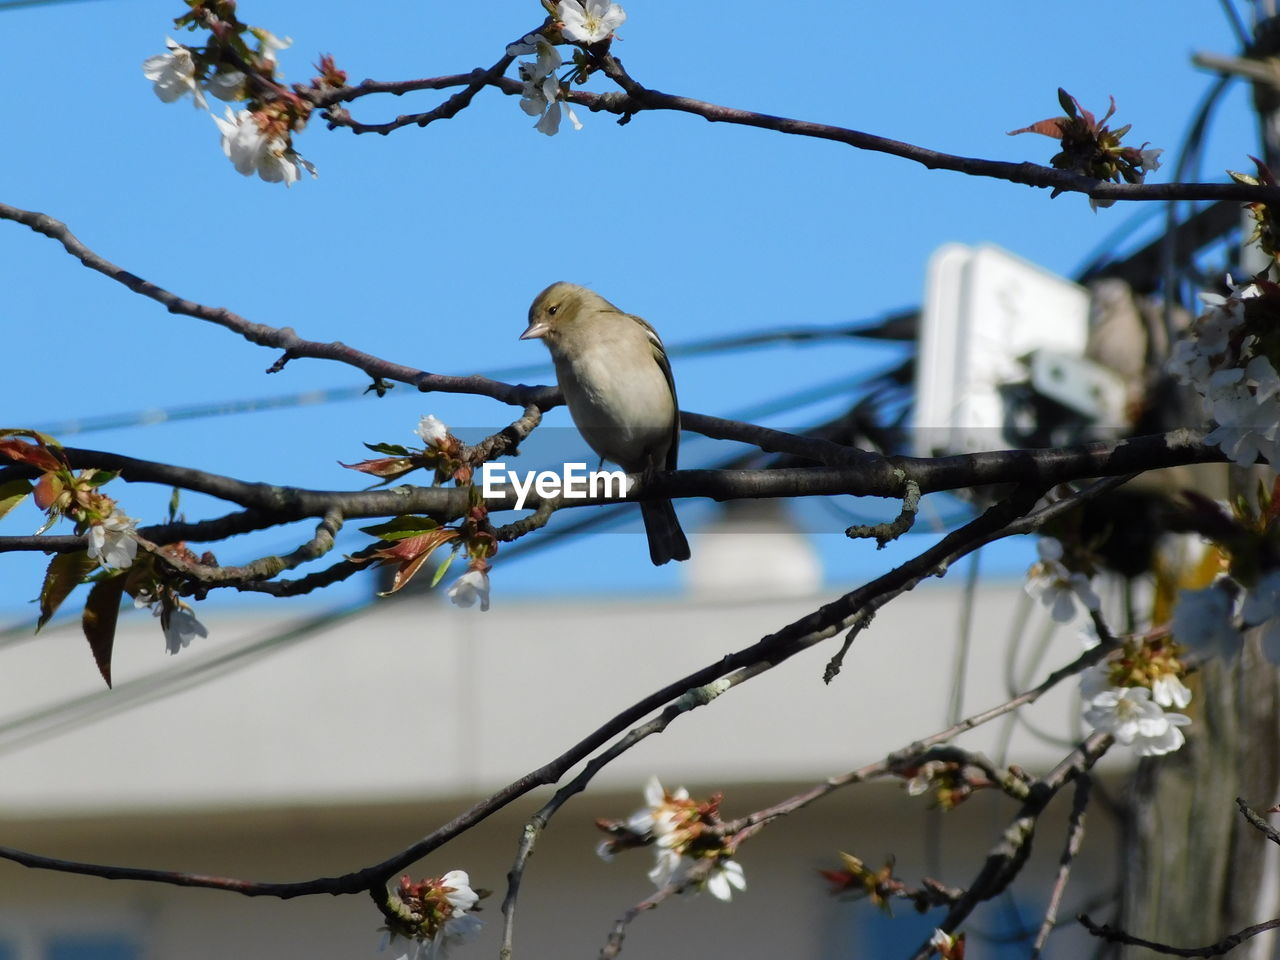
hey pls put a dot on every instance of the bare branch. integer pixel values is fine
(203, 531)
(356, 562)
(506, 440)
(475, 82)
(684, 694)
(281, 338)
(1075, 834)
(249, 888)
(1112, 934)
(1258, 821)
(1032, 175)
(1009, 855)
(264, 568)
(872, 475)
(638, 99)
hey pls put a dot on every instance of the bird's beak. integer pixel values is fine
(537, 329)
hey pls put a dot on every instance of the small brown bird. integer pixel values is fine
(615, 377)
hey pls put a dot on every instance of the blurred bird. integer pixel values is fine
(615, 377)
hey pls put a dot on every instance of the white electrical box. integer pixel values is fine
(1001, 355)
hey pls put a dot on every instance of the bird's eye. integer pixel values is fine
(551, 310)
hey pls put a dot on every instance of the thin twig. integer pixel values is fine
(1258, 821)
(474, 82)
(1075, 834)
(281, 338)
(264, 568)
(1009, 855)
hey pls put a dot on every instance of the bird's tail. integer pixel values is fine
(666, 539)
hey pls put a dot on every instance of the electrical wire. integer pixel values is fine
(15, 4)
(199, 411)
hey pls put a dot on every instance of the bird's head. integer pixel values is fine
(557, 308)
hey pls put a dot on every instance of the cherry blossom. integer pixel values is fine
(469, 588)
(1057, 587)
(174, 74)
(432, 430)
(1135, 719)
(592, 23)
(111, 541)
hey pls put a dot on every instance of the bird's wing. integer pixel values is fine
(660, 357)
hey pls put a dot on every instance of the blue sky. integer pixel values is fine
(426, 246)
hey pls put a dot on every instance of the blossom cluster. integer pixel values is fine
(584, 22)
(257, 139)
(111, 534)
(1127, 695)
(437, 915)
(684, 834)
(1228, 361)
(111, 539)
(1090, 147)
(409, 541)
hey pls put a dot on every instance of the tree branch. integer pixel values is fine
(282, 338)
(1009, 855)
(638, 98)
(676, 697)
(1075, 834)
(1112, 934)
(1258, 821)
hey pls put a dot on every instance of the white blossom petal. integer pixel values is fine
(592, 23)
(432, 430)
(173, 74)
(724, 877)
(111, 540)
(460, 895)
(1169, 691)
(469, 588)
(1131, 716)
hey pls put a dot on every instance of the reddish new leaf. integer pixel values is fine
(412, 552)
(1049, 128)
(386, 467)
(101, 610)
(19, 451)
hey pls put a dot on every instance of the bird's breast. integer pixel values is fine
(624, 410)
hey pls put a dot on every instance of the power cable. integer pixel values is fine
(864, 329)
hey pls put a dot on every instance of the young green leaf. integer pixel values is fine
(12, 494)
(401, 527)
